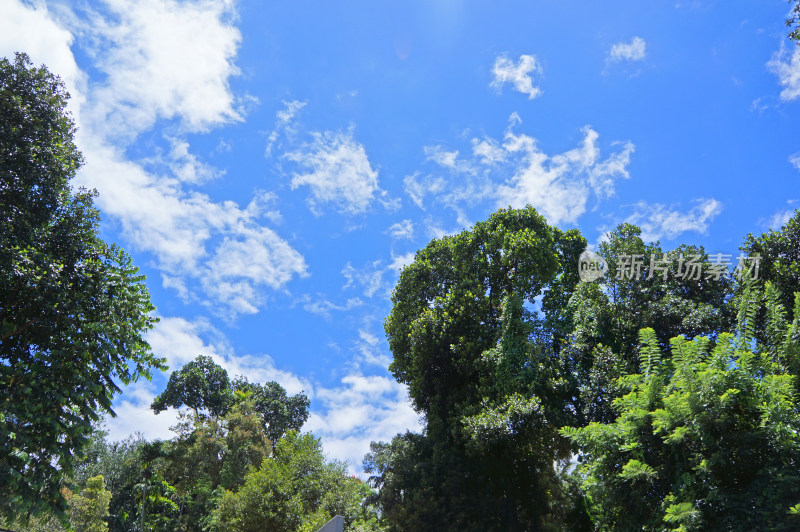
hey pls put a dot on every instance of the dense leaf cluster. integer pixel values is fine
(73, 310)
(678, 393)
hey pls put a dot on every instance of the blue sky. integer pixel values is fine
(272, 165)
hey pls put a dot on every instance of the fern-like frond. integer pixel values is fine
(649, 351)
(777, 325)
(745, 319)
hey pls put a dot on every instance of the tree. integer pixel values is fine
(706, 439)
(280, 412)
(779, 259)
(297, 490)
(608, 314)
(73, 310)
(483, 369)
(89, 509)
(202, 385)
(233, 427)
(120, 464)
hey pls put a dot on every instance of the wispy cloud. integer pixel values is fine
(321, 306)
(362, 409)
(560, 185)
(779, 219)
(519, 75)
(338, 171)
(515, 171)
(403, 229)
(786, 65)
(417, 186)
(371, 351)
(401, 261)
(657, 221)
(283, 121)
(794, 160)
(369, 278)
(636, 50)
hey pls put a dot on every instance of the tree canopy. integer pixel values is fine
(706, 439)
(73, 310)
(480, 365)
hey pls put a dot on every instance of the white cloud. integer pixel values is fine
(559, 186)
(135, 416)
(161, 60)
(187, 167)
(488, 150)
(788, 71)
(32, 29)
(165, 59)
(194, 238)
(403, 229)
(369, 347)
(794, 160)
(632, 51)
(417, 187)
(180, 340)
(514, 171)
(519, 74)
(363, 409)
(283, 119)
(442, 157)
(401, 261)
(657, 221)
(369, 278)
(256, 256)
(323, 307)
(339, 172)
(780, 218)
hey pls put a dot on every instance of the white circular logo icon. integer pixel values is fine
(591, 266)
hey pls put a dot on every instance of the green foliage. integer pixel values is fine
(73, 310)
(779, 251)
(297, 490)
(202, 385)
(793, 22)
(279, 412)
(89, 509)
(121, 464)
(609, 314)
(707, 439)
(482, 368)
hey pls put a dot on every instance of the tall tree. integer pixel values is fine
(481, 367)
(88, 510)
(73, 310)
(279, 411)
(202, 385)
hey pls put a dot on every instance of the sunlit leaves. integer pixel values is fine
(73, 309)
